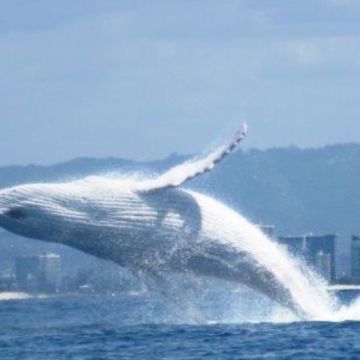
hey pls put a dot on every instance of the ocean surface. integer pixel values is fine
(141, 326)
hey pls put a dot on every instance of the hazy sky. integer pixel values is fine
(142, 79)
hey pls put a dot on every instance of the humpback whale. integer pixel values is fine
(155, 226)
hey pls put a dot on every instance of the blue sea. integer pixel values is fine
(137, 326)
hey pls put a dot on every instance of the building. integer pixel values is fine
(50, 269)
(268, 230)
(316, 250)
(7, 281)
(296, 245)
(38, 273)
(323, 264)
(325, 244)
(355, 258)
(27, 271)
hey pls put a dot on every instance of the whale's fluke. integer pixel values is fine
(179, 174)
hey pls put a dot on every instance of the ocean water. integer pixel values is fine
(143, 326)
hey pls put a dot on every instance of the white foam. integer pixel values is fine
(6, 296)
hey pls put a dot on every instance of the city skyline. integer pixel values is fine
(44, 272)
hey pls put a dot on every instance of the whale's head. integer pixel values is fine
(36, 211)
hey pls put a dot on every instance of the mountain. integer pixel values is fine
(297, 190)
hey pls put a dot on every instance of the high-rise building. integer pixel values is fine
(318, 251)
(50, 268)
(326, 245)
(355, 258)
(323, 264)
(38, 273)
(296, 245)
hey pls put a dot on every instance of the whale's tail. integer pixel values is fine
(179, 174)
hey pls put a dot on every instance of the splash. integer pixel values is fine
(152, 226)
(348, 312)
(305, 289)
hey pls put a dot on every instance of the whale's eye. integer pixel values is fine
(16, 213)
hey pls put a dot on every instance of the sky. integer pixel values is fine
(143, 79)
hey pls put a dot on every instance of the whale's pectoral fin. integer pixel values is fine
(179, 174)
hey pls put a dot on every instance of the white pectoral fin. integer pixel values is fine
(179, 174)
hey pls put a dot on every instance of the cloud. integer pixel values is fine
(85, 81)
